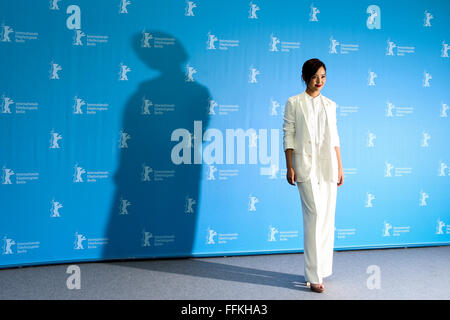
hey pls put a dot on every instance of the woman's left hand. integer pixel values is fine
(340, 177)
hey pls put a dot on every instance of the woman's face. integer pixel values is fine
(318, 80)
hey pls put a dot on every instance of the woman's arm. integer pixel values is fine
(289, 140)
(290, 174)
(340, 169)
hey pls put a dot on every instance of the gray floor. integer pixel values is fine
(412, 273)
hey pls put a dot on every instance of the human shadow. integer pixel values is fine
(153, 211)
(220, 271)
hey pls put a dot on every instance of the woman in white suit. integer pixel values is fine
(312, 149)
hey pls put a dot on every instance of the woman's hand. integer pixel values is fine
(340, 177)
(290, 176)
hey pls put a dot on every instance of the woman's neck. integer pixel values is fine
(312, 93)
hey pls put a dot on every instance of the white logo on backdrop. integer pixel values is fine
(91, 108)
(345, 111)
(78, 34)
(313, 13)
(223, 44)
(345, 48)
(7, 244)
(78, 174)
(345, 233)
(123, 205)
(285, 46)
(190, 5)
(124, 69)
(370, 198)
(188, 204)
(252, 11)
(54, 69)
(224, 109)
(444, 50)
(374, 18)
(252, 75)
(423, 198)
(211, 170)
(19, 36)
(272, 232)
(210, 42)
(145, 240)
(158, 175)
(401, 50)
(274, 41)
(79, 238)
(53, 4)
(444, 109)
(333, 44)
(123, 6)
(5, 33)
(6, 175)
(399, 111)
(386, 229)
(222, 238)
(158, 109)
(211, 105)
(270, 171)
(190, 71)
(425, 137)
(146, 170)
(426, 79)
(388, 168)
(398, 172)
(390, 48)
(440, 225)
(396, 230)
(251, 202)
(427, 18)
(21, 177)
(145, 106)
(54, 138)
(371, 78)
(73, 22)
(5, 103)
(21, 247)
(370, 137)
(390, 107)
(146, 37)
(274, 105)
(54, 210)
(442, 169)
(210, 234)
(77, 105)
(124, 137)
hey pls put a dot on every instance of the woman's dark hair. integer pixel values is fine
(310, 68)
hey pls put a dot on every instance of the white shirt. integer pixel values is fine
(317, 119)
(317, 124)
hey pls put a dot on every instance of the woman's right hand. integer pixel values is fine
(290, 176)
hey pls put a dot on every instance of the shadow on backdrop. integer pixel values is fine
(149, 214)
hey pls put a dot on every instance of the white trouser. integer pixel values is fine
(318, 199)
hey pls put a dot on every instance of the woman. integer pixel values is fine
(312, 148)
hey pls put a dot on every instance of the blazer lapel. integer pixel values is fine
(325, 105)
(305, 110)
(306, 113)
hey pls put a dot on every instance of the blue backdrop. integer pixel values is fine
(139, 128)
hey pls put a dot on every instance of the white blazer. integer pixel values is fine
(297, 136)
